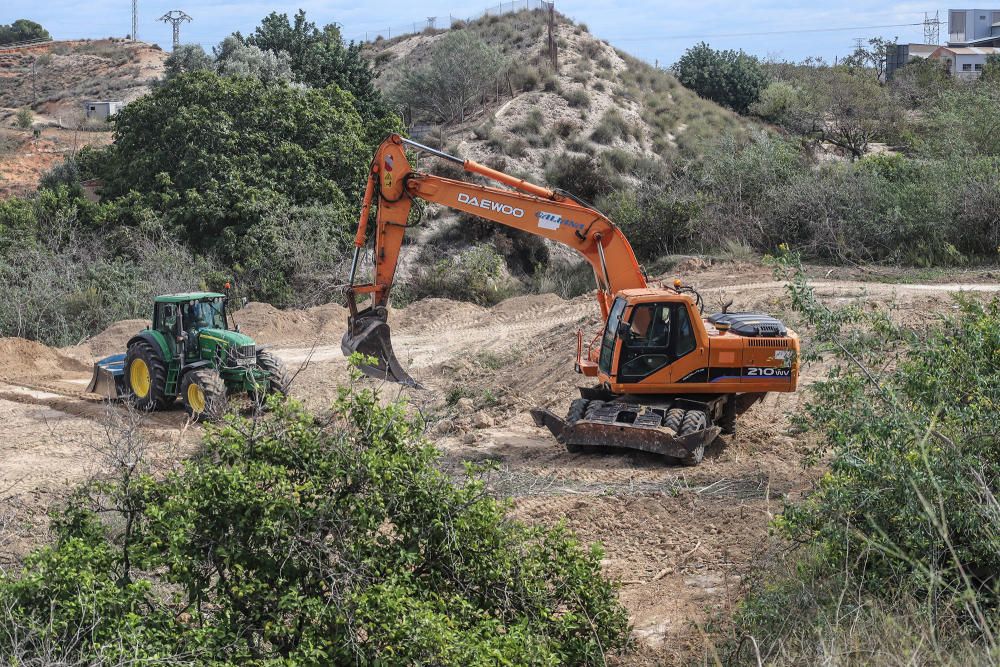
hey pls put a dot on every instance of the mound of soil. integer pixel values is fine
(30, 359)
(269, 325)
(112, 340)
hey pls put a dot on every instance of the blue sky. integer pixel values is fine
(654, 31)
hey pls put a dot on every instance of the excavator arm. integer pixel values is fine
(392, 187)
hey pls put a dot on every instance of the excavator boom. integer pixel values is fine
(392, 186)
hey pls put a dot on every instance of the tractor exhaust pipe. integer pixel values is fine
(368, 334)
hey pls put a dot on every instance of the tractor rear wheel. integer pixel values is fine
(146, 377)
(204, 395)
(279, 380)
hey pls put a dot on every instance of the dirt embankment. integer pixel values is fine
(679, 539)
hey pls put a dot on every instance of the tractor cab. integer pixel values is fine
(196, 324)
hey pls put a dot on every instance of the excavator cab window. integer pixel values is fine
(610, 334)
(646, 347)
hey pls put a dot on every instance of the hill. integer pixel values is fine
(600, 100)
(53, 81)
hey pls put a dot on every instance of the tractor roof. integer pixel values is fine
(188, 296)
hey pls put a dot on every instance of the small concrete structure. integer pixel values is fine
(965, 62)
(102, 109)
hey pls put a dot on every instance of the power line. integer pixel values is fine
(760, 33)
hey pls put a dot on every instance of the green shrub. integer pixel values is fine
(584, 176)
(613, 126)
(905, 520)
(294, 539)
(654, 220)
(24, 118)
(730, 78)
(475, 275)
(577, 97)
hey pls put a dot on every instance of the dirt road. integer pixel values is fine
(679, 539)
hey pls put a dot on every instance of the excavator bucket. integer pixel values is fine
(624, 426)
(368, 334)
(108, 380)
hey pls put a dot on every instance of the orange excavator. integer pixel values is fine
(666, 379)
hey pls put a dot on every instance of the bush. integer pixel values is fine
(577, 97)
(584, 176)
(476, 275)
(730, 78)
(906, 518)
(295, 539)
(24, 118)
(614, 126)
(777, 102)
(459, 69)
(655, 221)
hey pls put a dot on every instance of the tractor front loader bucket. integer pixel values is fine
(108, 380)
(368, 334)
(656, 439)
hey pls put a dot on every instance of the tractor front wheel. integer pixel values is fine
(278, 381)
(204, 394)
(146, 377)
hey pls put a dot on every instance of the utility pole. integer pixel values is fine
(135, 20)
(431, 20)
(932, 28)
(553, 47)
(175, 17)
(858, 42)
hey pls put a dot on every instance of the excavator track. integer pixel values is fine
(668, 430)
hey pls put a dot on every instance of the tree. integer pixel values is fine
(320, 58)
(233, 58)
(872, 58)
(730, 78)
(460, 67)
(305, 540)
(225, 159)
(22, 30)
(991, 70)
(187, 58)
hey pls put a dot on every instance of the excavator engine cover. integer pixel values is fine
(368, 334)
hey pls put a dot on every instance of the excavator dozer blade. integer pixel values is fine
(587, 433)
(368, 334)
(108, 380)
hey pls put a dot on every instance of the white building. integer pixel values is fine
(102, 109)
(965, 62)
(974, 27)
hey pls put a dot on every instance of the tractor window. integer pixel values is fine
(205, 315)
(165, 317)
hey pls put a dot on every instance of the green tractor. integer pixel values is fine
(193, 353)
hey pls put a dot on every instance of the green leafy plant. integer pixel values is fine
(296, 539)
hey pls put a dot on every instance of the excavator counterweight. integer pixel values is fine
(669, 380)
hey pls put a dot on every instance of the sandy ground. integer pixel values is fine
(679, 539)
